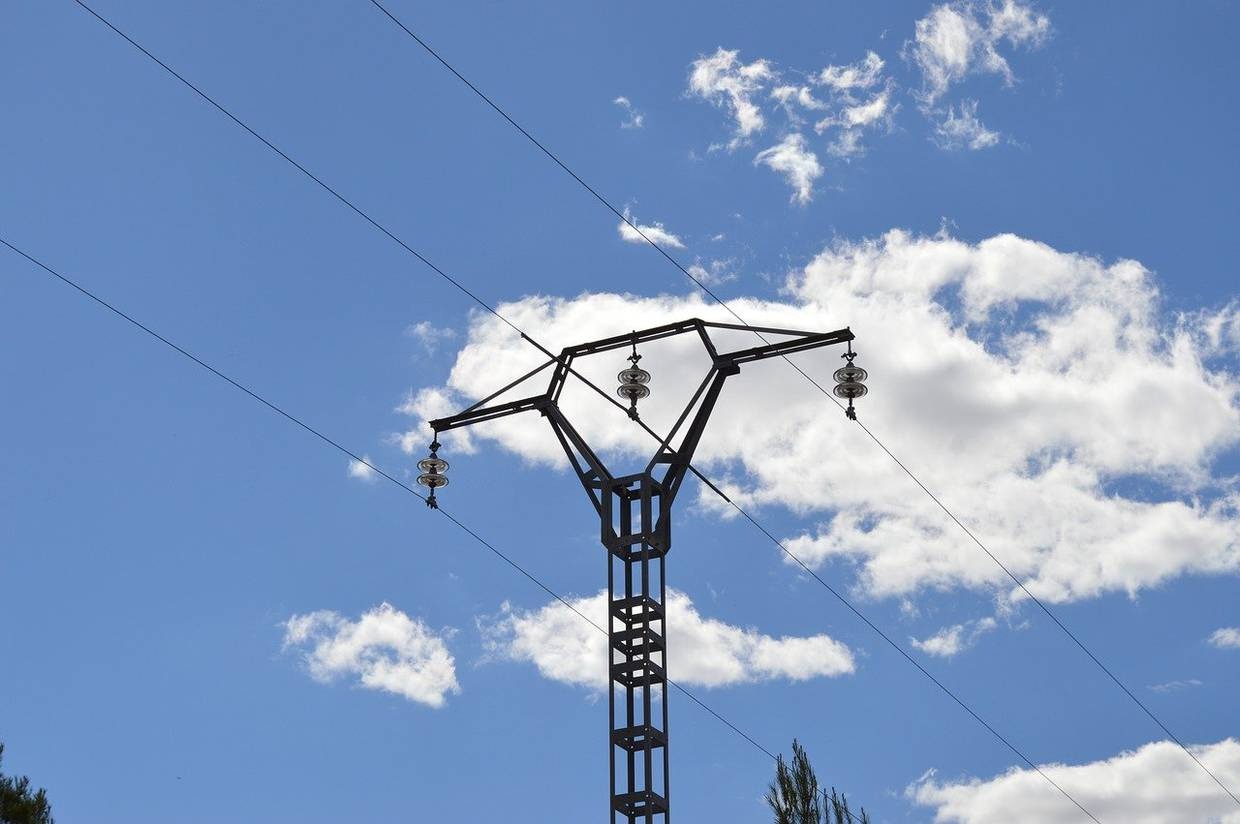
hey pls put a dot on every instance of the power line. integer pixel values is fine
(320, 435)
(701, 285)
(912, 660)
(363, 461)
(335, 193)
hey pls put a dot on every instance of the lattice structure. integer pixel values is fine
(635, 518)
(637, 544)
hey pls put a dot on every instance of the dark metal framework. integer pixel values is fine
(635, 517)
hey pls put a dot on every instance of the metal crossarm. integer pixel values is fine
(635, 529)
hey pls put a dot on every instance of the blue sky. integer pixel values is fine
(1041, 283)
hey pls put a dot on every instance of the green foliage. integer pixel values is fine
(18, 805)
(838, 807)
(794, 796)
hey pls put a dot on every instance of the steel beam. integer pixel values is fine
(636, 531)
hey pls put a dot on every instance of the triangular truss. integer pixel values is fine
(635, 519)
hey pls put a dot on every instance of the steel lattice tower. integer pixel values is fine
(635, 518)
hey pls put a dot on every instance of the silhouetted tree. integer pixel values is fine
(794, 796)
(18, 805)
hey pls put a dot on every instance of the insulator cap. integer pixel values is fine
(433, 480)
(433, 465)
(634, 374)
(851, 374)
(633, 391)
(850, 389)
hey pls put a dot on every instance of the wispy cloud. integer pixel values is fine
(654, 231)
(963, 37)
(792, 158)
(844, 101)
(862, 98)
(714, 272)
(953, 40)
(429, 335)
(960, 38)
(724, 80)
(633, 118)
(951, 641)
(853, 77)
(1174, 686)
(362, 471)
(961, 129)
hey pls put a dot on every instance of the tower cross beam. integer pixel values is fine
(635, 529)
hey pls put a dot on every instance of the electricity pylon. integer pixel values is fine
(636, 529)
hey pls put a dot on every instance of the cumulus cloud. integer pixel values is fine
(961, 129)
(1156, 784)
(724, 80)
(962, 37)
(362, 471)
(654, 231)
(708, 652)
(436, 402)
(385, 650)
(951, 641)
(792, 158)
(1226, 638)
(1029, 387)
(633, 119)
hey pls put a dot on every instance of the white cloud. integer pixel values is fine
(633, 118)
(961, 37)
(792, 97)
(951, 641)
(799, 166)
(436, 402)
(708, 652)
(654, 232)
(852, 121)
(864, 74)
(362, 471)
(1220, 329)
(714, 272)
(1174, 686)
(385, 649)
(962, 129)
(1156, 784)
(725, 81)
(429, 335)
(865, 114)
(853, 114)
(857, 97)
(1226, 638)
(1019, 381)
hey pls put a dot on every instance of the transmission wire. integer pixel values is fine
(320, 435)
(335, 193)
(701, 285)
